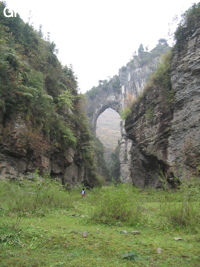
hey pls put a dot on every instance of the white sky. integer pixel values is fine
(100, 36)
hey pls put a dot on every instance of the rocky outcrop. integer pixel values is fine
(23, 151)
(149, 128)
(184, 141)
(119, 92)
(106, 95)
(121, 89)
(43, 127)
(133, 78)
(165, 134)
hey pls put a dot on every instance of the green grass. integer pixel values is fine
(52, 235)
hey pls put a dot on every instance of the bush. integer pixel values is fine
(35, 196)
(118, 204)
(190, 22)
(183, 211)
(125, 113)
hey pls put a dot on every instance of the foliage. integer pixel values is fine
(140, 49)
(144, 57)
(149, 113)
(133, 255)
(104, 85)
(35, 196)
(117, 205)
(123, 68)
(160, 79)
(66, 99)
(116, 84)
(185, 211)
(115, 165)
(125, 113)
(35, 85)
(92, 92)
(54, 236)
(100, 160)
(189, 23)
(10, 236)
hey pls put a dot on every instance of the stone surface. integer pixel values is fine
(123, 232)
(85, 234)
(22, 151)
(136, 232)
(159, 250)
(166, 137)
(178, 239)
(184, 142)
(130, 82)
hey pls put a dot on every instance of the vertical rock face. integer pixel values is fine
(149, 128)
(125, 156)
(42, 124)
(106, 95)
(184, 142)
(23, 151)
(166, 136)
(134, 76)
(133, 79)
(119, 92)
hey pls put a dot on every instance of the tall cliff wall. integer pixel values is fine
(42, 124)
(164, 126)
(119, 91)
(133, 78)
(184, 141)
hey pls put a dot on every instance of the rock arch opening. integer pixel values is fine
(108, 131)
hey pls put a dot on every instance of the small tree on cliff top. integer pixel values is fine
(189, 23)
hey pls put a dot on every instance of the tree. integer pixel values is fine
(140, 49)
(162, 41)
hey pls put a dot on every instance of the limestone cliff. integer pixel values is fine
(164, 126)
(184, 142)
(119, 91)
(42, 124)
(23, 151)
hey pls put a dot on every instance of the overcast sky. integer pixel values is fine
(100, 36)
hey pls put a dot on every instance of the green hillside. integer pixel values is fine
(37, 88)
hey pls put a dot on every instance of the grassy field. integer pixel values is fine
(43, 225)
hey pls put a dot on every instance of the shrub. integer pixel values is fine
(125, 113)
(35, 196)
(183, 211)
(190, 22)
(149, 113)
(118, 204)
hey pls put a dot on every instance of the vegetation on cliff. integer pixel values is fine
(161, 77)
(35, 85)
(189, 23)
(104, 86)
(159, 123)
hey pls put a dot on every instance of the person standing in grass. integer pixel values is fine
(83, 193)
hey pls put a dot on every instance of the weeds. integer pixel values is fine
(28, 238)
(33, 197)
(118, 205)
(184, 210)
(9, 235)
(112, 205)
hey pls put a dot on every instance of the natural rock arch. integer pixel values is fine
(120, 92)
(106, 95)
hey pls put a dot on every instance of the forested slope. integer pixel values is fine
(42, 125)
